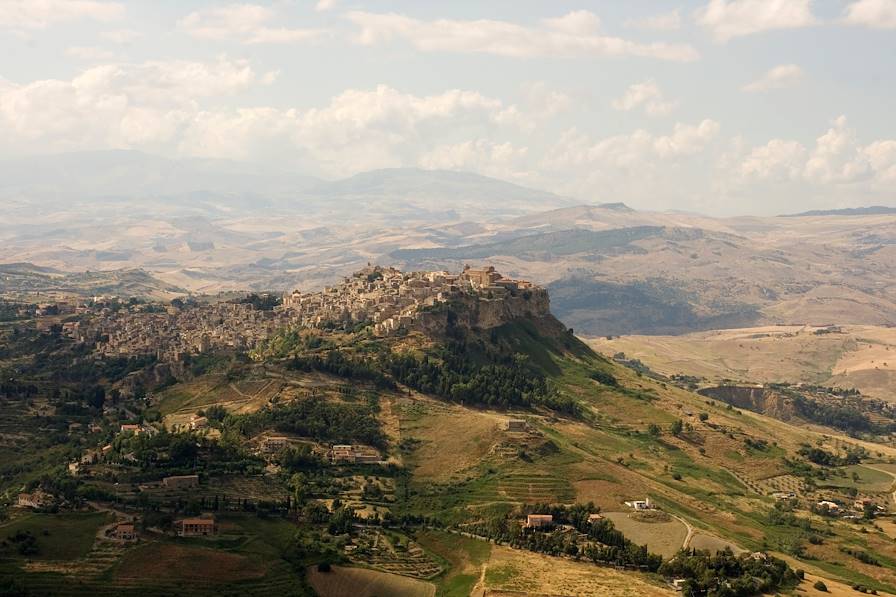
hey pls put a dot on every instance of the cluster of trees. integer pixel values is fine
(604, 378)
(260, 302)
(502, 381)
(315, 418)
(845, 417)
(598, 541)
(200, 364)
(163, 449)
(337, 363)
(10, 311)
(291, 341)
(56, 366)
(23, 542)
(860, 555)
(727, 575)
(14, 389)
(822, 457)
(298, 458)
(185, 452)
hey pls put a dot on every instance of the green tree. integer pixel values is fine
(299, 487)
(676, 427)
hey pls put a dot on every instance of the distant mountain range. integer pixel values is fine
(874, 210)
(111, 179)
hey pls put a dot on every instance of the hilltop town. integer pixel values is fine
(383, 299)
(394, 301)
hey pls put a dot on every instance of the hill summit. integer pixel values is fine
(433, 302)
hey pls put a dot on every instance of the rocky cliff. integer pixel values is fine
(757, 399)
(483, 311)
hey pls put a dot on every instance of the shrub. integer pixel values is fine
(820, 586)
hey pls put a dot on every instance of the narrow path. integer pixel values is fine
(479, 588)
(690, 535)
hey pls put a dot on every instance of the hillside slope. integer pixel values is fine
(861, 357)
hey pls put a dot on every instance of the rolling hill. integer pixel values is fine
(861, 357)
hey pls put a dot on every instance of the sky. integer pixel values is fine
(715, 106)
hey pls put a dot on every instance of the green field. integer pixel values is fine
(463, 556)
(869, 480)
(59, 536)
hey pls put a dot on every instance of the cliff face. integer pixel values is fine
(760, 400)
(472, 312)
(526, 304)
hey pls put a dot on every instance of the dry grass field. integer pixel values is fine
(359, 582)
(712, 543)
(452, 438)
(834, 588)
(527, 573)
(863, 357)
(665, 536)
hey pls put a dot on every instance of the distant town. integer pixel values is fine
(383, 298)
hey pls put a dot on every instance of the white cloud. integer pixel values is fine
(121, 36)
(646, 95)
(115, 105)
(667, 21)
(785, 75)
(837, 158)
(359, 129)
(89, 53)
(686, 139)
(575, 34)
(659, 170)
(777, 160)
(244, 23)
(167, 82)
(39, 14)
(325, 5)
(727, 19)
(882, 157)
(631, 150)
(544, 101)
(175, 108)
(877, 14)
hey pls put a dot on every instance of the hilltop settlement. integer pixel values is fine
(387, 300)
